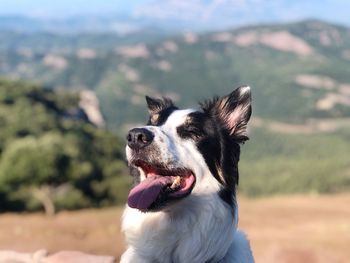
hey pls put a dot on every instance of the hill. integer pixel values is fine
(298, 72)
(52, 156)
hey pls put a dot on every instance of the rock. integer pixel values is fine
(91, 106)
(8, 256)
(40, 256)
(77, 257)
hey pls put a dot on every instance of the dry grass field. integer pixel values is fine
(281, 229)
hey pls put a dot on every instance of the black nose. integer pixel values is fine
(139, 138)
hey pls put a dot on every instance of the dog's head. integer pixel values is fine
(182, 153)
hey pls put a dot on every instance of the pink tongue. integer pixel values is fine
(145, 193)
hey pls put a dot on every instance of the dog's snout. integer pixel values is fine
(139, 137)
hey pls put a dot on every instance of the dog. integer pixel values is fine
(183, 206)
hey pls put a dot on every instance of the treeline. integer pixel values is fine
(51, 156)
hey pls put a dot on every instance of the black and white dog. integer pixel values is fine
(183, 207)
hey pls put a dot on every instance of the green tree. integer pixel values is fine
(51, 158)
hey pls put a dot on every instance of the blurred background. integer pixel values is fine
(73, 76)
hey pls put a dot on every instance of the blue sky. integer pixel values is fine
(230, 12)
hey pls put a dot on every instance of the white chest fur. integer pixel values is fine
(196, 230)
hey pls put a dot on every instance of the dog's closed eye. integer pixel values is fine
(191, 129)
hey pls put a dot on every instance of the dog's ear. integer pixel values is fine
(234, 111)
(156, 105)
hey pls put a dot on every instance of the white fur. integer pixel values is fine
(200, 228)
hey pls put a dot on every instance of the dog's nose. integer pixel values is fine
(139, 138)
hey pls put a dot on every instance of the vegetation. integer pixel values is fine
(191, 71)
(51, 158)
(275, 163)
(43, 41)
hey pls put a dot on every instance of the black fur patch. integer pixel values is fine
(232, 111)
(160, 110)
(218, 131)
(228, 196)
(219, 151)
(161, 117)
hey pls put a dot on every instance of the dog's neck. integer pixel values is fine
(197, 229)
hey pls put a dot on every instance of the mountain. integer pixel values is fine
(67, 34)
(299, 74)
(44, 42)
(297, 71)
(18, 23)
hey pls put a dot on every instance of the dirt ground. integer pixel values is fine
(281, 229)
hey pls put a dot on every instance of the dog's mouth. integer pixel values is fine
(161, 186)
